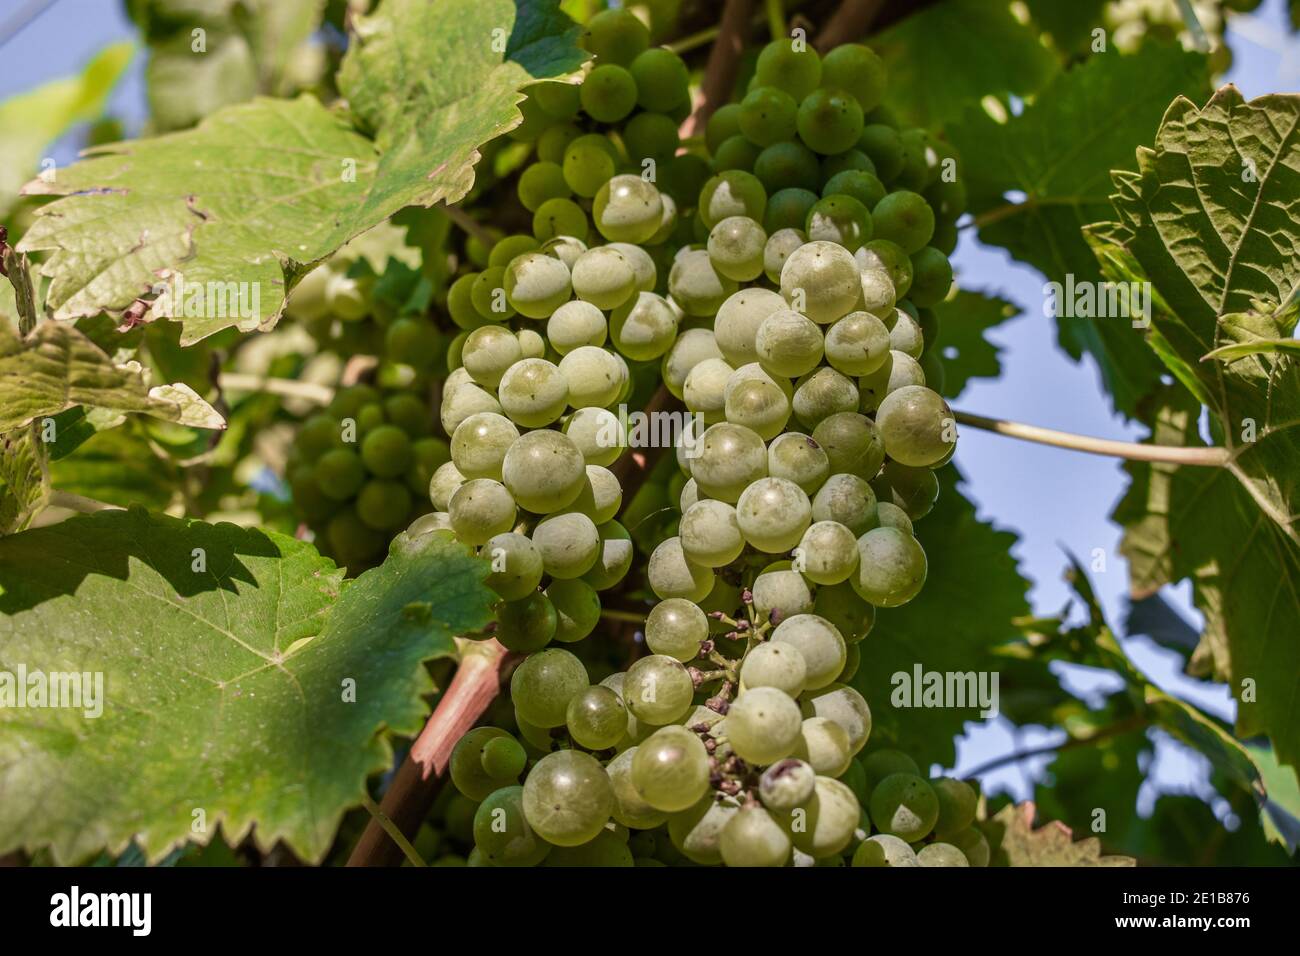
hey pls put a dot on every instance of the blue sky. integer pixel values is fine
(1052, 498)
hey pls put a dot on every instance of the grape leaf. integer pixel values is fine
(57, 367)
(972, 46)
(259, 190)
(966, 352)
(32, 121)
(1014, 842)
(1281, 811)
(1107, 104)
(1069, 24)
(226, 686)
(24, 478)
(971, 569)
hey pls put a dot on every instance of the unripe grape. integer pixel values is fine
(594, 376)
(466, 762)
(904, 805)
(644, 327)
(516, 565)
(603, 277)
(891, 567)
(857, 344)
(897, 371)
(821, 280)
(884, 849)
(537, 284)
(779, 589)
(763, 725)
(627, 209)
(697, 832)
(574, 324)
(820, 644)
(690, 348)
(567, 798)
(479, 444)
(775, 665)
(596, 718)
(956, 806)
(671, 769)
(568, 543)
(696, 286)
(799, 458)
(710, 534)
(544, 683)
(824, 746)
(544, 471)
(658, 690)
(479, 509)
(615, 557)
(773, 514)
(502, 833)
(831, 816)
(730, 458)
(526, 625)
(732, 193)
(846, 707)
(752, 838)
(916, 425)
(797, 70)
(829, 553)
(630, 808)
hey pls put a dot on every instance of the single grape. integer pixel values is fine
(823, 393)
(544, 683)
(773, 514)
(913, 490)
(763, 725)
(604, 277)
(704, 389)
(627, 209)
(443, 483)
(829, 553)
(691, 347)
(786, 784)
(820, 644)
(386, 451)
(516, 565)
(675, 628)
(600, 497)
(488, 352)
(829, 120)
(615, 36)
(466, 762)
(608, 93)
(340, 474)
(757, 404)
(670, 770)
(544, 471)
(904, 805)
(560, 217)
(916, 426)
(630, 808)
(710, 534)
(696, 285)
(891, 568)
(480, 509)
(737, 153)
(568, 543)
(557, 100)
(479, 444)
(658, 690)
(956, 806)
(732, 193)
(897, 371)
(502, 833)
(540, 182)
(533, 392)
(537, 284)
(824, 746)
(596, 718)
(839, 219)
(460, 403)
(488, 293)
(906, 335)
(384, 505)
(863, 186)
(941, 854)
(883, 254)
(851, 443)
(972, 844)
(576, 323)
(884, 762)
(739, 318)
(767, 115)
(567, 797)
(752, 838)
(730, 459)
(932, 277)
(884, 849)
(831, 817)
(844, 706)
(821, 280)
(589, 162)
(787, 166)
(671, 574)
(795, 69)
(644, 327)
(662, 80)
(527, 624)
(594, 376)
(857, 69)
(780, 592)
(577, 609)
(847, 500)
(504, 759)
(904, 218)
(736, 247)
(857, 344)
(775, 665)
(800, 459)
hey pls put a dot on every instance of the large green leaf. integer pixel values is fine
(1069, 24)
(226, 686)
(966, 351)
(32, 121)
(1105, 105)
(971, 569)
(260, 189)
(955, 52)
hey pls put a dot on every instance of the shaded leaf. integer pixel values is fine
(1014, 842)
(24, 478)
(967, 353)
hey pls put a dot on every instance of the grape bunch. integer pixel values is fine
(360, 470)
(793, 319)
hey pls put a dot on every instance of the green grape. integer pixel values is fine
(370, 417)
(787, 784)
(502, 833)
(857, 344)
(479, 444)
(905, 335)
(544, 683)
(851, 160)
(904, 805)
(851, 443)
(407, 412)
(540, 182)
(318, 434)
(577, 608)
(675, 628)
(667, 226)
(731, 193)
(722, 125)
(848, 500)
(488, 293)
(787, 211)
(508, 247)
(466, 762)
(464, 401)
(863, 186)
(738, 320)
(884, 147)
(384, 505)
(627, 209)
(460, 305)
(559, 217)
(516, 565)
(821, 394)
(831, 817)
(352, 540)
(857, 69)
(972, 844)
(912, 489)
(773, 514)
(756, 403)
(531, 345)
(601, 496)
(662, 80)
(695, 284)
(593, 375)
(890, 515)
(347, 298)
(916, 426)
(800, 459)
(413, 341)
(830, 553)
(767, 115)
(840, 604)
(615, 36)
(556, 139)
(568, 543)
(428, 523)
(824, 746)
(534, 121)
(527, 624)
(781, 590)
(340, 474)
(839, 219)
(829, 121)
(710, 535)
(736, 247)
(598, 434)
(820, 644)
(798, 71)
(884, 849)
(730, 458)
(386, 451)
(608, 849)
(488, 352)
(537, 284)
(349, 401)
(885, 762)
(891, 569)
(533, 392)
(752, 838)
(671, 574)
(630, 808)
(786, 343)
(588, 164)
(670, 770)
(904, 218)
(658, 690)
(844, 706)
(608, 93)
(574, 324)
(933, 277)
(780, 245)
(480, 509)
(941, 854)
(559, 101)
(763, 725)
(604, 277)
(643, 264)
(567, 797)
(644, 327)
(691, 347)
(783, 166)
(443, 483)
(650, 136)
(897, 371)
(596, 718)
(956, 806)
(736, 153)
(820, 279)
(920, 160)
(775, 665)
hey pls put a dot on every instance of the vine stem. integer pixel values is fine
(1113, 730)
(848, 24)
(723, 66)
(468, 224)
(391, 829)
(73, 502)
(416, 784)
(775, 18)
(694, 41)
(1132, 451)
(238, 382)
(613, 614)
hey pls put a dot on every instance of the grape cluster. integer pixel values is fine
(794, 322)
(360, 470)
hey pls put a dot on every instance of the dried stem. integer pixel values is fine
(1114, 730)
(73, 502)
(468, 224)
(723, 65)
(413, 789)
(848, 24)
(1173, 455)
